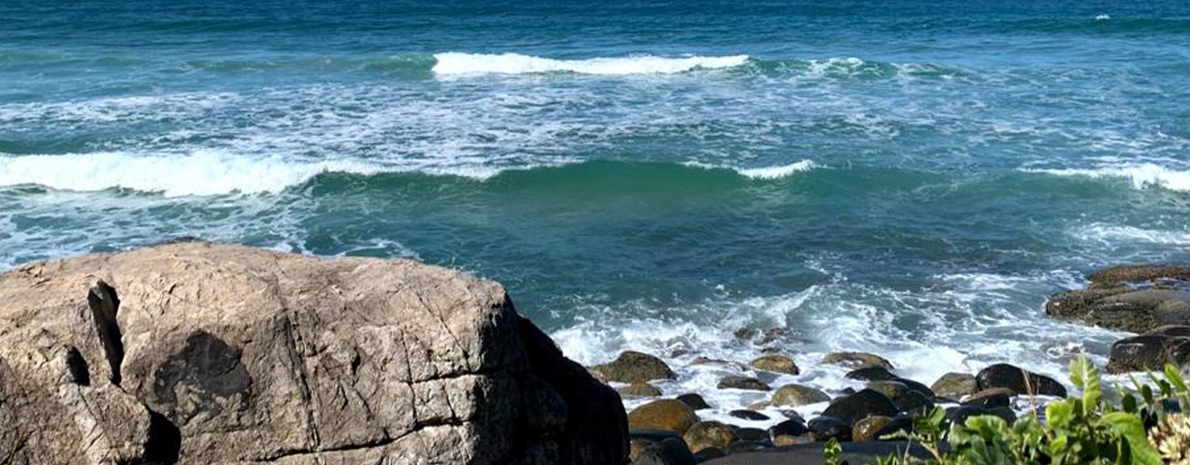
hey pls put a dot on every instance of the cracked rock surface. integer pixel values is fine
(200, 353)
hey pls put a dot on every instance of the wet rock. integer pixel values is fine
(796, 395)
(898, 424)
(775, 363)
(1011, 377)
(913, 402)
(639, 390)
(1004, 412)
(857, 360)
(709, 454)
(761, 405)
(894, 390)
(725, 364)
(634, 367)
(1148, 352)
(751, 434)
(641, 439)
(865, 429)
(663, 414)
(708, 434)
(872, 373)
(1173, 330)
(742, 382)
(1124, 309)
(671, 451)
(740, 447)
(790, 427)
(787, 441)
(860, 405)
(991, 398)
(954, 385)
(825, 428)
(695, 401)
(751, 415)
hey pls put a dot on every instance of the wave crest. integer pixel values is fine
(1142, 176)
(454, 63)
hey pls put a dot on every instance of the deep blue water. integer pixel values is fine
(909, 178)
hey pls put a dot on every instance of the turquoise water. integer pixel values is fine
(911, 179)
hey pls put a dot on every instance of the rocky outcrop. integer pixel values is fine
(199, 353)
(1149, 352)
(1136, 299)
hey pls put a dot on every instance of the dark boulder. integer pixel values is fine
(871, 373)
(751, 415)
(752, 434)
(671, 451)
(825, 428)
(788, 428)
(862, 404)
(1014, 378)
(1148, 352)
(695, 401)
(634, 367)
(991, 398)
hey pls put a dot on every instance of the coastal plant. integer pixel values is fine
(1077, 430)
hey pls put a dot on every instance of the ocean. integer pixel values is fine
(910, 178)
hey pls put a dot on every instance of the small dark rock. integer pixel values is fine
(748, 415)
(859, 405)
(872, 373)
(751, 434)
(788, 428)
(990, 398)
(743, 382)
(1011, 377)
(900, 423)
(825, 428)
(959, 415)
(695, 401)
(671, 451)
(913, 401)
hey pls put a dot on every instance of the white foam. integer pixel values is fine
(1102, 17)
(775, 172)
(453, 63)
(1142, 175)
(200, 173)
(1111, 234)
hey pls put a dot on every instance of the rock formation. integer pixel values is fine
(200, 353)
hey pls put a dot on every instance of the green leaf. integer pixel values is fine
(1131, 429)
(1059, 414)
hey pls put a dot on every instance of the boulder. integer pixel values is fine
(639, 390)
(954, 385)
(775, 363)
(196, 353)
(866, 428)
(641, 439)
(857, 360)
(1011, 377)
(634, 367)
(752, 434)
(663, 414)
(1148, 352)
(792, 428)
(760, 405)
(695, 401)
(913, 402)
(894, 390)
(1137, 299)
(743, 382)
(860, 405)
(898, 423)
(871, 373)
(708, 434)
(826, 428)
(671, 451)
(750, 415)
(796, 395)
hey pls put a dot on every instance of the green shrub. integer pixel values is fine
(1075, 431)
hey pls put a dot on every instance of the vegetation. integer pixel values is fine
(1149, 430)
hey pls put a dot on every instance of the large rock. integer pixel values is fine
(775, 363)
(860, 405)
(665, 414)
(857, 360)
(707, 434)
(1131, 298)
(634, 367)
(954, 385)
(197, 353)
(1148, 352)
(671, 451)
(796, 395)
(742, 382)
(1003, 375)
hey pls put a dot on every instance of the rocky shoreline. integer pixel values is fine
(194, 352)
(1152, 300)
